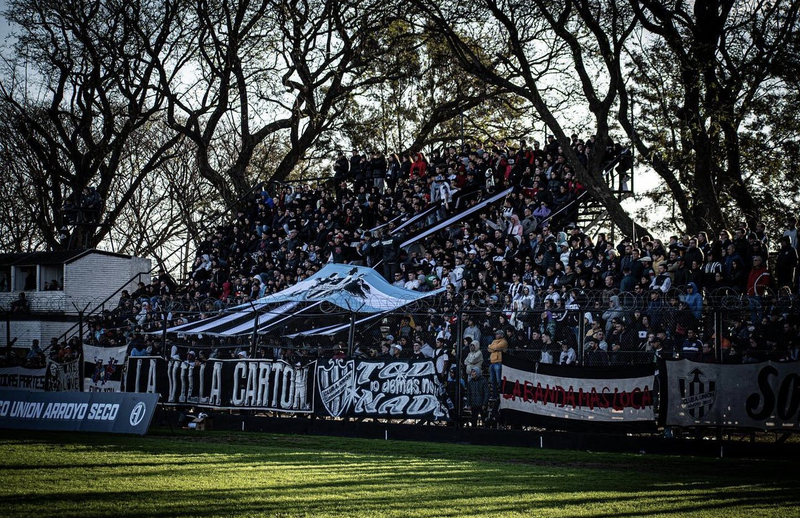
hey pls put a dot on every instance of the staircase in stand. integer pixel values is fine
(592, 214)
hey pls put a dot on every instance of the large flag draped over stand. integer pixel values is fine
(355, 289)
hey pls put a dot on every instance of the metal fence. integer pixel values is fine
(604, 328)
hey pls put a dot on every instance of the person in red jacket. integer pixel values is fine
(419, 169)
(757, 284)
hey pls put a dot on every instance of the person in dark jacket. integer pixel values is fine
(786, 264)
(477, 395)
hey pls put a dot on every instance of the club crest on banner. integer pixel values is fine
(336, 385)
(353, 283)
(698, 393)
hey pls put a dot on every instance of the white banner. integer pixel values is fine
(103, 368)
(765, 395)
(21, 378)
(578, 398)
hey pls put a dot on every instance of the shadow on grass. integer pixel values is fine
(288, 477)
(303, 499)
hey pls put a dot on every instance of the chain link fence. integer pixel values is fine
(604, 327)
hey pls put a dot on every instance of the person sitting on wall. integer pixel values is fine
(20, 306)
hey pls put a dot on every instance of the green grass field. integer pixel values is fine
(242, 474)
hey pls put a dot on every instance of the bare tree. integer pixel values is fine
(268, 70)
(89, 91)
(708, 77)
(538, 50)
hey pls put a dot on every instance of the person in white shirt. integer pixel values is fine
(412, 283)
(568, 355)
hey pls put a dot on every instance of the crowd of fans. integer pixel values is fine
(522, 267)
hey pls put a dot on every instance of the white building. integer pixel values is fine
(85, 280)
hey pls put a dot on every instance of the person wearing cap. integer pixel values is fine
(395, 350)
(497, 348)
(656, 346)
(191, 359)
(692, 347)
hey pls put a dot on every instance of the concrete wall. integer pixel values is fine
(26, 330)
(94, 277)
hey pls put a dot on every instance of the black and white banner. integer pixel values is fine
(146, 374)
(763, 396)
(77, 411)
(22, 378)
(63, 377)
(534, 393)
(102, 368)
(390, 389)
(225, 384)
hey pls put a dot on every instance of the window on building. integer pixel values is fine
(25, 278)
(52, 277)
(5, 278)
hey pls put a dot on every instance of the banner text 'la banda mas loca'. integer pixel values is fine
(533, 391)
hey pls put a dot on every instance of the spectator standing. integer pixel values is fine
(791, 231)
(497, 348)
(757, 284)
(692, 348)
(477, 395)
(786, 264)
(474, 359)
